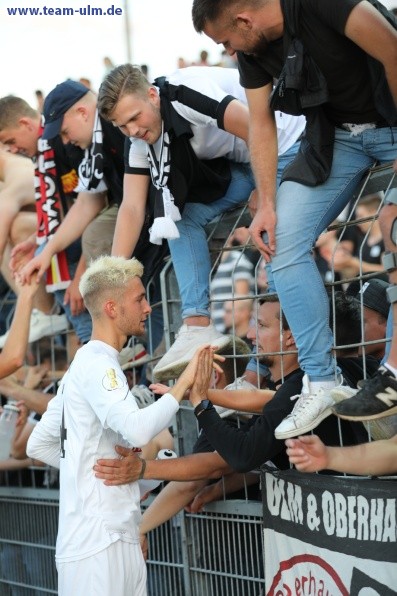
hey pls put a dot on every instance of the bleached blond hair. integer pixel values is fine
(108, 275)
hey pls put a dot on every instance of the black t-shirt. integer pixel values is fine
(342, 62)
(250, 446)
(361, 248)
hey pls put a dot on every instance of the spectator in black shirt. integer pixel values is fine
(349, 49)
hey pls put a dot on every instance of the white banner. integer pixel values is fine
(326, 535)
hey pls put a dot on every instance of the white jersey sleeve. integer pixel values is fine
(137, 155)
(44, 443)
(139, 426)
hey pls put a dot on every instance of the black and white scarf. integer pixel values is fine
(91, 167)
(166, 213)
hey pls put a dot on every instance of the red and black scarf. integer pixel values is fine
(49, 212)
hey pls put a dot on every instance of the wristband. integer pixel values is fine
(205, 404)
(142, 469)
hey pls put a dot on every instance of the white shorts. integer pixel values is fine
(119, 569)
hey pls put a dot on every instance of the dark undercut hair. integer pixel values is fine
(208, 11)
(272, 297)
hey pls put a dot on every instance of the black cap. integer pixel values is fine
(374, 295)
(57, 102)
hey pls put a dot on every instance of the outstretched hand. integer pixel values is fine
(37, 265)
(188, 376)
(202, 376)
(262, 230)
(27, 289)
(207, 494)
(307, 453)
(21, 254)
(159, 388)
(122, 470)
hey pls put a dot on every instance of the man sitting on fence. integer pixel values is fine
(188, 133)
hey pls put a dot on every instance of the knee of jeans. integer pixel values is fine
(193, 215)
(282, 260)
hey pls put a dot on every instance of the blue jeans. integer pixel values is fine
(82, 323)
(283, 160)
(190, 254)
(302, 214)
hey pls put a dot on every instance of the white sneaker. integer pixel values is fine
(132, 356)
(310, 409)
(42, 325)
(241, 383)
(342, 392)
(187, 341)
(238, 384)
(143, 396)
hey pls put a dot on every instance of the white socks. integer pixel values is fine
(391, 368)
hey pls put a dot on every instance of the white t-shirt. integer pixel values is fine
(99, 412)
(209, 141)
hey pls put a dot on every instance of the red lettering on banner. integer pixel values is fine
(308, 575)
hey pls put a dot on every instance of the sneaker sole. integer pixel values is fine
(364, 418)
(289, 434)
(176, 368)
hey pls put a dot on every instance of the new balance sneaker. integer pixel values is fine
(238, 384)
(42, 325)
(376, 399)
(313, 405)
(188, 339)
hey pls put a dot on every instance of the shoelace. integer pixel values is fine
(301, 404)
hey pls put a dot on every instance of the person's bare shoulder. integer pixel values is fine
(17, 172)
(20, 162)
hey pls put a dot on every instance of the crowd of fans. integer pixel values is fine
(140, 170)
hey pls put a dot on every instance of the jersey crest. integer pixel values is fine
(112, 381)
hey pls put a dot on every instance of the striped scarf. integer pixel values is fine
(49, 212)
(91, 167)
(165, 210)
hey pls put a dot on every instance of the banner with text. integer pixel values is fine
(328, 535)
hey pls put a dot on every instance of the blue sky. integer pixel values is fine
(41, 51)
